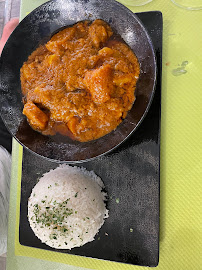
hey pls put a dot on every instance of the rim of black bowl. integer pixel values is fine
(139, 122)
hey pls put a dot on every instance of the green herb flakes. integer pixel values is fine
(117, 200)
(53, 215)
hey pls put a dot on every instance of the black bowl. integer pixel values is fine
(36, 29)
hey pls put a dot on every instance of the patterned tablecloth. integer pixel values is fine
(181, 154)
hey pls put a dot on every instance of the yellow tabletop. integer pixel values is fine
(181, 156)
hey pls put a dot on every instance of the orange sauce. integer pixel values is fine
(81, 83)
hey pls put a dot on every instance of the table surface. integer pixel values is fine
(181, 151)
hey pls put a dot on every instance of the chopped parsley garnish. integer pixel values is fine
(76, 195)
(117, 200)
(53, 215)
(53, 236)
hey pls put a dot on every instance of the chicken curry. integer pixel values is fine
(81, 83)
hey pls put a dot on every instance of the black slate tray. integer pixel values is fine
(131, 175)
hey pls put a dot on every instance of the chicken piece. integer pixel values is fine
(37, 118)
(129, 57)
(99, 32)
(56, 44)
(120, 80)
(72, 123)
(99, 82)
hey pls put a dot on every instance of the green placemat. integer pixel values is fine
(181, 156)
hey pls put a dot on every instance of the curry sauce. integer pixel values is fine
(81, 83)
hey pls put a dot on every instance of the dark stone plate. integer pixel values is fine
(36, 29)
(131, 176)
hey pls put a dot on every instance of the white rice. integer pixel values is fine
(66, 208)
